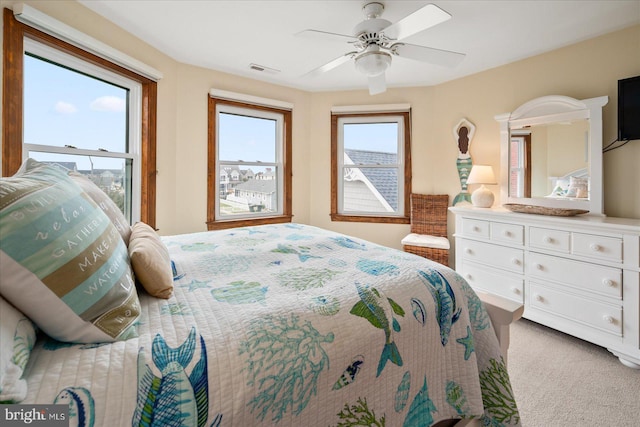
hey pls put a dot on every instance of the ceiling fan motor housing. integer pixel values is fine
(372, 9)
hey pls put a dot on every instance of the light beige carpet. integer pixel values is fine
(559, 380)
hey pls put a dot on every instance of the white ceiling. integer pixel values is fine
(229, 35)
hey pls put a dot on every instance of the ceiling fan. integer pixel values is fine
(377, 40)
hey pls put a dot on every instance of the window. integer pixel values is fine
(250, 158)
(371, 167)
(68, 106)
(84, 118)
(519, 166)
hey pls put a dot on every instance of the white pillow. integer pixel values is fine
(560, 188)
(17, 337)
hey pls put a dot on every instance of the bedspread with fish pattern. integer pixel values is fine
(288, 325)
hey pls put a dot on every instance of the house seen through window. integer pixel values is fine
(249, 148)
(371, 167)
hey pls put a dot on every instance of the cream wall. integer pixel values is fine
(584, 70)
(191, 154)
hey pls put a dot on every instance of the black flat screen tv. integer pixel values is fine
(629, 109)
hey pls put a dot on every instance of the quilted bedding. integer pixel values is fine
(289, 325)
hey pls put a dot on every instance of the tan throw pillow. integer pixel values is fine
(578, 187)
(150, 261)
(105, 203)
(64, 264)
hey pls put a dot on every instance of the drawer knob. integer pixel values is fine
(476, 228)
(468, 276)
(595, 247)
(515, 261)
(609, 282)
(515, 290)
(539, 267)
(539, 298)
(468, 251)
(506, 233)
(547, 239)
(608, 319)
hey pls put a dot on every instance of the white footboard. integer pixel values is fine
(503, 312)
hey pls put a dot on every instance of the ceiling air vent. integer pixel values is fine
(263, 69)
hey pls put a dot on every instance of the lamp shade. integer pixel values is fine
(481, 174)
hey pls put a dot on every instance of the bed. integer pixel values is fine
(275, 325)
(573, 185)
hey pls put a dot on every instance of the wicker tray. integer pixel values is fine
(541, 210)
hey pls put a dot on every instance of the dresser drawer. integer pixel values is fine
(494, 282)
(493, 255)
(595, 278)
(546, 238)
(507, 233)
(606, 317)
(475, 228)
(600, 247)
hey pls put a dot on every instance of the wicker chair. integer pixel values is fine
(428, 236)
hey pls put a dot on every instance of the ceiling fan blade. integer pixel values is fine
(315, 34)
(331, 64)
(420, 20)
(377, 84)
(445, 58)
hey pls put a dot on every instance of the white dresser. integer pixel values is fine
(579, 275)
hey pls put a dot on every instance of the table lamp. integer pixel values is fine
(482, 174)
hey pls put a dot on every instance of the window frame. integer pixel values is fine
(14, 36)
(213, 165)
(523, 169)
(403, 216)
(133, 134)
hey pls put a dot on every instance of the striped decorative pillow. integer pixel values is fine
(64, 264)
(105, 203)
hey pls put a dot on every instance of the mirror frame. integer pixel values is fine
(554, 109)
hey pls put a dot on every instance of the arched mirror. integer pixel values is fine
(551, 153)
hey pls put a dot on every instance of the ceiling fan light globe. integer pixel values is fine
(373, 63)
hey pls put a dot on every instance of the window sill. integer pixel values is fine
(247, 222)
(374, 219)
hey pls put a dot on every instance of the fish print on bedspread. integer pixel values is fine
(377, 268)
(348, 243)
(478, 316)
(379, 311)
(457, 398)
(402, 394)
(175, 398)
(447, 312)
(241, 292)
(301, 251)
(421, 410)
(81, 406)
(284, 358)
(324, 305)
